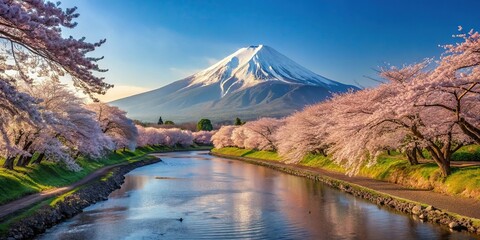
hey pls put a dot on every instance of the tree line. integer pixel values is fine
(431, 106)
(43, 119)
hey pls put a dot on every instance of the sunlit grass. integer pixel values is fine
(464, 181)
(35, 178)
(320, 161)
(467, 153)
(238, 152)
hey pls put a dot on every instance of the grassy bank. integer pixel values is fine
(6, 223)
(464, 181)
(18, 216)
(36, 178)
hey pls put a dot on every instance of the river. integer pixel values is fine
(218, 198)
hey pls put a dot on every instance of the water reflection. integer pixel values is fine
(132, 182)
(225, 199)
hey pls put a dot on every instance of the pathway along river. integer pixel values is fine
(219, 198)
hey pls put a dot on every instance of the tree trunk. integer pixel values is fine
(442, 158)
(323, 152)
(39, 159)
(412, 157)
(9, 163)
(388, 152)
(445, 169)
(24, 160)
(28, 160)
(419, 152)
(470, 130)
(21, 161)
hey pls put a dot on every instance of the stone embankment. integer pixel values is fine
(47, 216)
(419, 211)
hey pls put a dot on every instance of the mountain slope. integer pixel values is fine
(252, 82)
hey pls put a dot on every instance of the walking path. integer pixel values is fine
(29, 200)
(26, 201)
(464, 206)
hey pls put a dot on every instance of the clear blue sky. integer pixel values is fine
(152, 43)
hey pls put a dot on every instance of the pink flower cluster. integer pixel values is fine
(171, 137)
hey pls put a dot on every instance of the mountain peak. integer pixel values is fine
(253, 65)
(255, 81)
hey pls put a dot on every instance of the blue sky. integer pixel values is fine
(152, 43)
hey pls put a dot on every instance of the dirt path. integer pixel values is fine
(463, 206)
(456, 163)
(28, 200)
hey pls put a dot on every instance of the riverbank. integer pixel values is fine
(39, 216)
(394, 167)
(50, 212)
(425, 205)
(23, 181)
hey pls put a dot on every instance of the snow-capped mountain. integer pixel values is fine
(252, 82)
(253, 65)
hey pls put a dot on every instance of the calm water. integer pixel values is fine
(226, 199)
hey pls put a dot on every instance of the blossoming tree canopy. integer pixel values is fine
(115, 123)
(431, 106)
(31, 32)
(454, 86)
(32, 48)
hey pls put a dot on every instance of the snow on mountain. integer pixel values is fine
(253, 82)
(253, 65)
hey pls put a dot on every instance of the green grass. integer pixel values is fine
(238, 152)
(62, 197)
(4, 225)
(467, 153)
(320, 161)
(22, 181)
(35, 178)
(464, 181)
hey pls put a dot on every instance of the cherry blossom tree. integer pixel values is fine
(352, 136)
(32, 30)
(260, 134)
(439, 132)
(67, 129)
(115, 123)
(176, 136)
(164, 137)
(454, 85)
(32, 47)
(239, 136)
(203, 137)
(16, 108)
(143, 138)
(86, 136)
(154, 136)
(388, 116)
(223, 137)
(305, 132)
